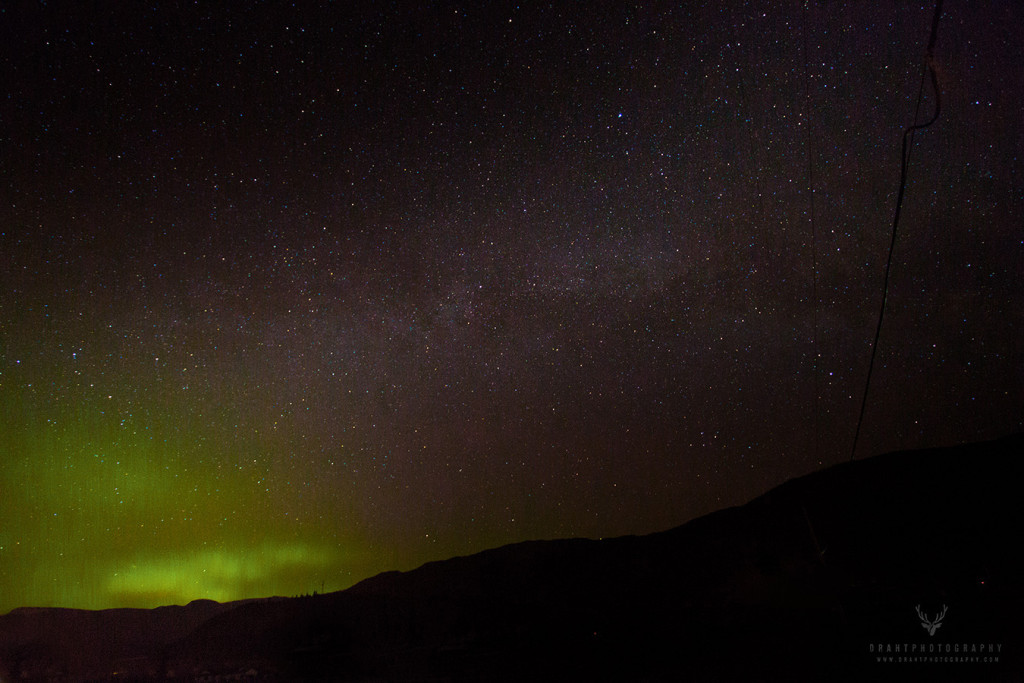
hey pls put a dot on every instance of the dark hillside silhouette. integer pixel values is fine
(806, 582)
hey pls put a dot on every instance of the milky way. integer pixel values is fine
(289, 297)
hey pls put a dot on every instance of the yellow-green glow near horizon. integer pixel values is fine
(140, 494)
(100, 514)
(219, 574)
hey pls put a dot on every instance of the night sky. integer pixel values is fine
(293, 296)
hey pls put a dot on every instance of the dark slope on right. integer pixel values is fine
(801, 583)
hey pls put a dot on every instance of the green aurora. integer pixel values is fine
(126, 524)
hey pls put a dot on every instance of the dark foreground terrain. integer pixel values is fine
(819, 579)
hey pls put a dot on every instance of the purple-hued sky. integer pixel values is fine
(290, 296)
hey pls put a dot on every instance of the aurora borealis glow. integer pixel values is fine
(296, 295)
(127, 519)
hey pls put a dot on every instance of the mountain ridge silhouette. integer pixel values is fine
(800, 583)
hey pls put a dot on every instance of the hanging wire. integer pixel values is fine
(908, 146)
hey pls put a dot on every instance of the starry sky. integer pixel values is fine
(293, 295)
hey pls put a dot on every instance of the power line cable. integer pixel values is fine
(908, 146)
